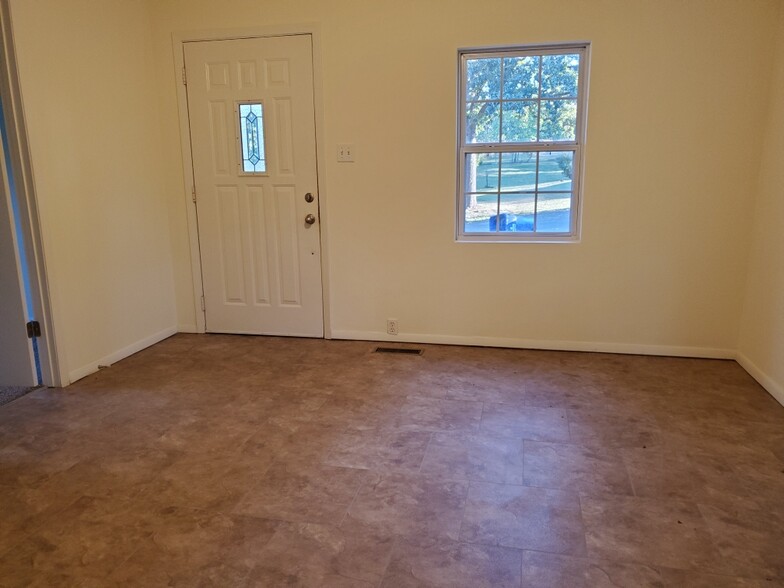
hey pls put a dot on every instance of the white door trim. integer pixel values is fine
(178, 44)
(52, 356)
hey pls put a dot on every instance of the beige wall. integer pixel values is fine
(762, 326)
(87, 74)
(677, 97)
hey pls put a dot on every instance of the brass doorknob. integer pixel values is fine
(310, 219)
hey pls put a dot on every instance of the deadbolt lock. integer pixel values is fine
(308, 197)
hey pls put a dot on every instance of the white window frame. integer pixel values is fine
(575, 146)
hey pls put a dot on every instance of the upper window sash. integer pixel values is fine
(526, 104)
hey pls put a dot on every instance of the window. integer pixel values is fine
(521, 135)
(251, 133)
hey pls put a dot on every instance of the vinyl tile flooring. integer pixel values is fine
(212, 460)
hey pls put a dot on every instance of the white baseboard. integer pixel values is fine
(625, 348)
(187, 329)
(774, 388)
(92, 367)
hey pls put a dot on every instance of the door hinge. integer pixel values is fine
(193, 192)
(33, 329)
(203, 306)
(184, 76)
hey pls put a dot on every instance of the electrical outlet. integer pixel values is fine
(391, 326)
(346, 153)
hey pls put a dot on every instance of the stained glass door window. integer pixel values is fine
(252, 138)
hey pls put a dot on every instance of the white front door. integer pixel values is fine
(253, 139)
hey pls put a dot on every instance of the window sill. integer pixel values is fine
(566, 239)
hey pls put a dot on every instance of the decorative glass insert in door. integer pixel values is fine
(252, 138)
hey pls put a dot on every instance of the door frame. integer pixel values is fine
(50, 355)
(179, 39)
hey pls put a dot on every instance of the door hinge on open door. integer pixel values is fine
(193, 192)
(33, 329)
(184, 76)
(203, 306)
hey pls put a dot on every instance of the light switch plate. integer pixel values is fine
(346, 153)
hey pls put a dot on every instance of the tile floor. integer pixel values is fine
(212, 460)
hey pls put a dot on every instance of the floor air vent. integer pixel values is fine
(405, 351)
